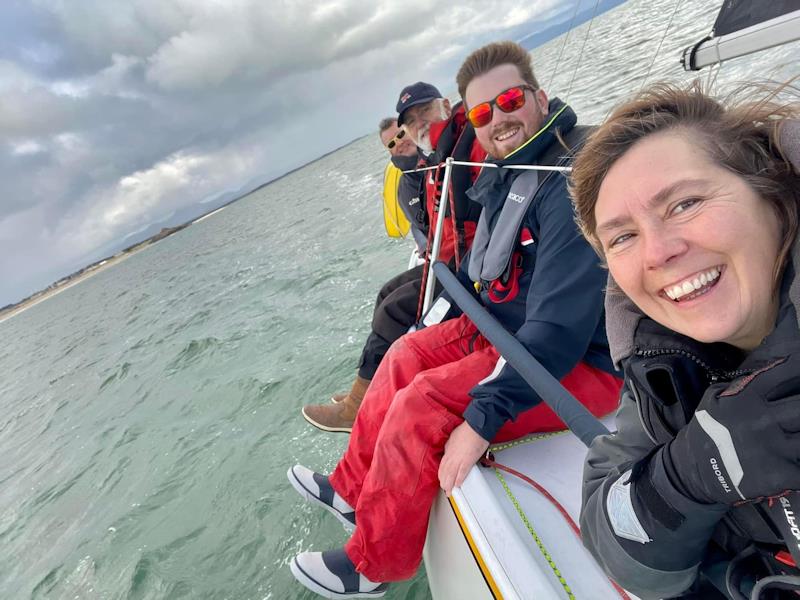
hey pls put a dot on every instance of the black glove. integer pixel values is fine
(743, 442)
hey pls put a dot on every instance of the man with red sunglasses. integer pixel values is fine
(440, 131)
(443, 393)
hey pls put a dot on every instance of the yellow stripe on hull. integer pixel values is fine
(478, 558)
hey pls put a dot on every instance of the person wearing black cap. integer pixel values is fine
(419, 106)
(443, 131)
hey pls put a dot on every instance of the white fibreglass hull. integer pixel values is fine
(481, 548)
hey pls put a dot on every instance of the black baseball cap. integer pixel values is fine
(416, 93)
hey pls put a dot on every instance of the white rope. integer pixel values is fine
(421, 169)
(564, 43)
(663, 37)
(496, 166)
(580, 56)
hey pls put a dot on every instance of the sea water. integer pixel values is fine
(149, 414)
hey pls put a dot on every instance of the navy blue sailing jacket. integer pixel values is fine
(558, 312)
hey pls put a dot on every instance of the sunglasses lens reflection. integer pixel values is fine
(511, 100)
(480, 115)
(508, 101)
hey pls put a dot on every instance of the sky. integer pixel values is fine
(116, 115)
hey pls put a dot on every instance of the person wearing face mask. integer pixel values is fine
(443, 393)
(694, 206)
(404, 156)
(444, 132)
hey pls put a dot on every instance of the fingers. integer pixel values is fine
(461, 475)
(446, 476)
(452, 474)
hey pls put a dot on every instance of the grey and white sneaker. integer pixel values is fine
(316, 489)
(331, 575)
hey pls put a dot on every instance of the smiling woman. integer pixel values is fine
(692, 244)
(693, 204)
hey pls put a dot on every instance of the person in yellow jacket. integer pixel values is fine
(404, 194)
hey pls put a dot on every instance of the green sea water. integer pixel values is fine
(149, 414)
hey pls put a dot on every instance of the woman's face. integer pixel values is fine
(690, 243)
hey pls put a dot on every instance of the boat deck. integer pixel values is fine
(515, 542)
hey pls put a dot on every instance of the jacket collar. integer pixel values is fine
(488, 188)
(444, 134)
(405, 163)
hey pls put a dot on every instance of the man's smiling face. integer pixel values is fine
(506, 131)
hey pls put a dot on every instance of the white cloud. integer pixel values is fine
(148, 195)
(26, 147)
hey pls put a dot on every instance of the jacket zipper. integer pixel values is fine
(714, 375)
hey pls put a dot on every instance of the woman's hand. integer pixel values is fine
(463, 449)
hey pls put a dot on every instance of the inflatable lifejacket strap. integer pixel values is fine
(458, 230)
(462, 208)
(506, 288)
(492, 250)
(431, 231)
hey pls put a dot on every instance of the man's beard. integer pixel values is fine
(495, 150)
(424, 141)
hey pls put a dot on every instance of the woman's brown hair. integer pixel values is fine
(741, 136)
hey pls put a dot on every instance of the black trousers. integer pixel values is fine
(395, 311)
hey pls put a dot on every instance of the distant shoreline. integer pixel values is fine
(62, 284)
(90, 270)
(69, 282)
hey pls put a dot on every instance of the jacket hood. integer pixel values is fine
(623, 316)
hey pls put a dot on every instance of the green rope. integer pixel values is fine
(536, 537)
(526, 440)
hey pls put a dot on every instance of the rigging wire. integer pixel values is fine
(663, 37)
(712, 76)
(583, 47)
(564, 43)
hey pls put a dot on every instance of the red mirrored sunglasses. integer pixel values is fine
(508, 101)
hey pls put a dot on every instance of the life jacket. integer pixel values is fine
(454, 137)
(668, 375)
(496, 261)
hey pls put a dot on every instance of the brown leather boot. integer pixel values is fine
(338, 416)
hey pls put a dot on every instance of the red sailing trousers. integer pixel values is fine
(389, 472)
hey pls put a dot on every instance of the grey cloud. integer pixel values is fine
(114, 115)
(262, 48)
